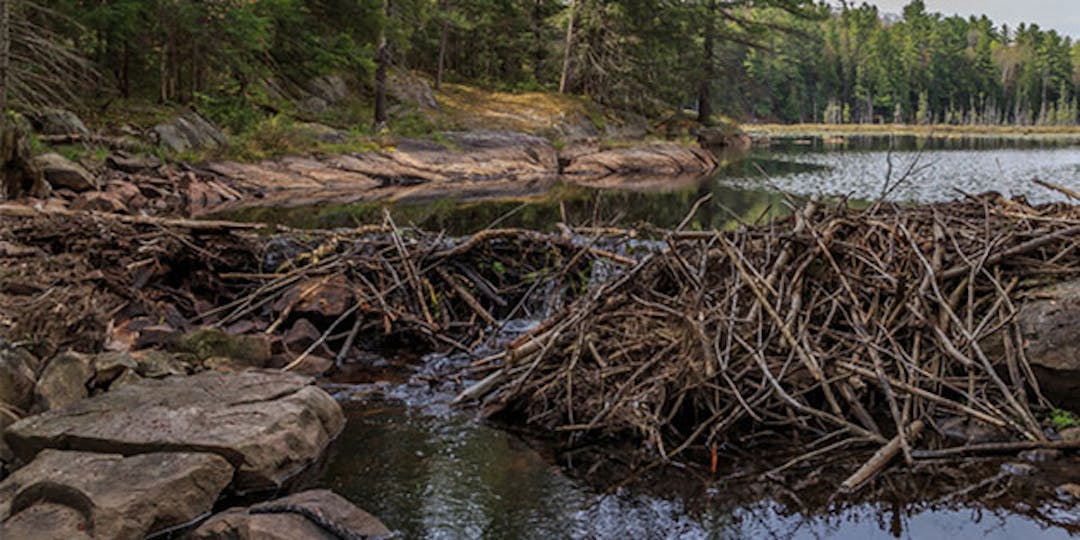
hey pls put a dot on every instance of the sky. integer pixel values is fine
(1060, 15)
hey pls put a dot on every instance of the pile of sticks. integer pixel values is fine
(841, 325)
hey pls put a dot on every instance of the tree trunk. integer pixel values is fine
(705, 86)
(444, 34)
(5, 58)
(382, 58)
(565, 79)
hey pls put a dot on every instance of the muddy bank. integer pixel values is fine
(480, 163)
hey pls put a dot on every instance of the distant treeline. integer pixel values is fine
(855, 66)
(778, 60)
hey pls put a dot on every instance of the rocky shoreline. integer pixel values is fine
(470, 161)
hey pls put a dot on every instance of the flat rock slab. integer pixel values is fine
(109, 495)
(269, 425)
(316, 514)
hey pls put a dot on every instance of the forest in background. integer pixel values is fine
(754, 60)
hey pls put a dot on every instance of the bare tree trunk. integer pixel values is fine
(565, 79)
(444, 34)
(707, 75)
(382, 58)
(5, 58)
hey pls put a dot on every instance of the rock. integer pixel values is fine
(312, 105)
(99, 201)
(322, 132)
(1070, 434)
(327, 297)
(726, 136)
(158, 364)
(329, 88)
(269, 425)
(410, 89)
(109, 366)
(190, 131)
(1040, 455)
(129, 376)
(1051, 339)
(16, 377)
(1068, 492)
(58, 122)
(132, 163)
(661, 158)
(61, 172)
(247, 350)
(129, 195)
(314, 366)
(47, 521)
(300, 336)
(155, 335)
(117, 497)
(971, 431)
(315, 514)
(63, 381)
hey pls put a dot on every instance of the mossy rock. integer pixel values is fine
(206, 343)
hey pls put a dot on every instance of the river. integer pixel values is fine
(430, 470)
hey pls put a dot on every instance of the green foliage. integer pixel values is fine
(1062, 419)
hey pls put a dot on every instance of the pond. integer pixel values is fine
(748, 187)
(430, 470)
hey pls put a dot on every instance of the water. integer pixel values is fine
(747, 188)
(432, 471)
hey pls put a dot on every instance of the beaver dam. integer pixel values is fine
(892, 333)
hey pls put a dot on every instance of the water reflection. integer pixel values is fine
(746, 188)
(430, 472)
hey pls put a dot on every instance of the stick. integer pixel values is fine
(880, 459)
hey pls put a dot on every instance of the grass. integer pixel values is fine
(907, 129)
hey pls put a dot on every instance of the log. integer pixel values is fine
(880, 459)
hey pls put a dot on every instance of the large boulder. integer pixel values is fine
(62, 173)
(190, 131)
(269, 425)
(58, 122)
(65, 380)
(109, 495)
(1050, 326)
(315, 515)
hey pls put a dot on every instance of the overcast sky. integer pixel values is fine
(1060, 15)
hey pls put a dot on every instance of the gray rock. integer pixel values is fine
(1050, 326)
(246, 350)
(315, 514)
(108, 366)
(269, 425)
(58, 122)
(16, 377)
(129, 376)
(113, 496)
(329, 88)
(47, 521)
(190, 131)
(411, 90)
(132, 164)
(63, 381)
(1040, 455)
(159, 364)
(62, 173)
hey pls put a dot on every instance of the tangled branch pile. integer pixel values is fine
(851, 325)
(66, 279)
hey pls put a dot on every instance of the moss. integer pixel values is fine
(1062, 419)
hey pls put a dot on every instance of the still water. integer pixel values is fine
(432, 471)
(429, 470)
(747, 188)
